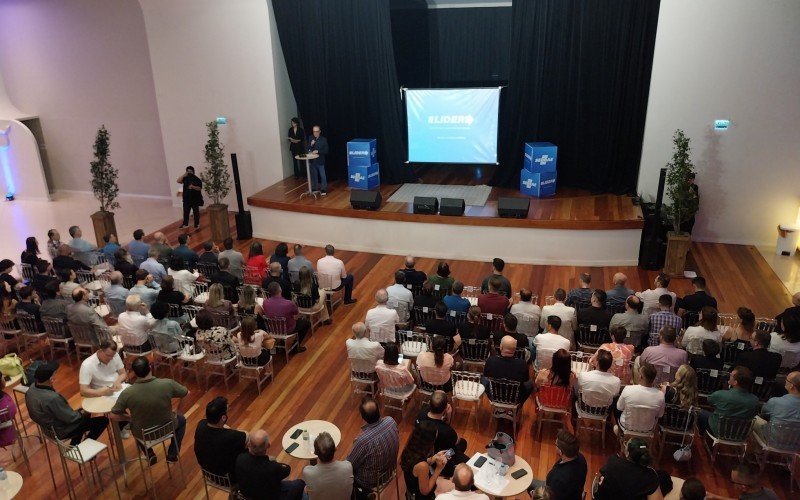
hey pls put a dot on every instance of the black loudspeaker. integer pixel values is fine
(451, 206)
(516, 208)
(365, 200)
(651, 248)
(244, 224)
(425, 205)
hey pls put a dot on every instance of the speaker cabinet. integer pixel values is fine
(365, 200)
(515, 208)
(426, 205)
(452, 206)
(244, 225)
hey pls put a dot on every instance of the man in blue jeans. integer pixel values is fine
(318, 144)
(148, 403)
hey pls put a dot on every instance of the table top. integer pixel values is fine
(16, 379)
(675, 494)
(513, 486)
(14, 483)
(307, 156)
(314, 427)
(101, 404)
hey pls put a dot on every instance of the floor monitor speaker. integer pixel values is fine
(516, 208)
(365, 200)
(426, 205)
(452, 206)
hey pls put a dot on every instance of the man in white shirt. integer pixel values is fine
(134, 321)
(333, 267)
(599, 387)
(102, 374)
(650, 297)
(528, 326)
(381, 320)
(236, 259)
(549, 342)
(399, 294)
(463, 480)
(641, 395)
(361, 347)
(569, 322)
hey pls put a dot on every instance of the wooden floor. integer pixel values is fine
(315, 384)
(569, 209)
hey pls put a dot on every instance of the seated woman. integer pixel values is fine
(67, 278)
(254, 342)
(683, 390)
(216, 303)
(165, 329)
(785, 340)
(307, 285)
(6, 268)
(256, 260)
(442, 279)
(745, 329)
(434, 367)
(281, 256)
(123, 262)
(621, 352)
(421, 467)
(207, 332)
(710, 359)
(706, 329)
(470, 329)
(183, 277)
(393, 375)
(630, 477)
(559, 374)
(8, 434)
(8, 302)
(31, 253)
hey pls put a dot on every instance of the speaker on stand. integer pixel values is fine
(651, 248)
(244, 223)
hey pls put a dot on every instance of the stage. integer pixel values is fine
(572, 228)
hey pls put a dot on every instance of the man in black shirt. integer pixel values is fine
(66, 261)
(710, 359)
(229, 281)
(507, 366)
(597, 313)
(698, 300)
(426, 298)
(259, 477)
(440, 326)
(42, 277)
(215, 446)
(568, 475)
(413, 277)
(210, 253)
(276, 275)
(762, 363)
(439, 412)
(497, 272)
(192, 196)
(510, 328)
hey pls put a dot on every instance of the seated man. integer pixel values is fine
(183, 251)
(413, 277)
(29, 304)
(138, 248)
(81, 313)
(550, 341)
(328, 479)
(652, 298)
(599, 387)
(115, 293)
(227, 279)
(333, 267)
(65, 260)
(136, 321)
(153, 266)
(504, 286)
(210, 253)
(569, 322)
(747, 479)
(596, 314)
(492, 302)
(454, 301)
(102, 373)
(259, 476)
(470, 329)
(361, 347)
(276, 275)
(162, 247)
(785, 409)
(298, 262)
(50, 409)
(400, 296)
(632, 319)
(148, 403)
(665, 356)
(374, 452)
(510, 329)
(761, 361)
(583, 293)
(277, 307)
(463, 482)
(710, 359)
(439, 412)
(509, 367)
(53, 305)
(526, 308)
(698, 300)
(215, 445)
(146, 287)
(438, 325)
(82, 248)
(235, 258)
(620, 292)
(641, 395)
(736, 402)
(568, 475)
(42, 277)
(425, 297)
(381, 320)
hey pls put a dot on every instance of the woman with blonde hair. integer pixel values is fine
(254, 342)
(217, 303)
(248, 306)
(683, 390)
(307, 285)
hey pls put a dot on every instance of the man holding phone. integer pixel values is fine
(438, 412)
(192, 196)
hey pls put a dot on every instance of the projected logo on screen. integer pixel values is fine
(452, 125)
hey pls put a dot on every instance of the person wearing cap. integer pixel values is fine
(50, 409)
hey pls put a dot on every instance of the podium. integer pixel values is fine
(363, 171)
(538, 174)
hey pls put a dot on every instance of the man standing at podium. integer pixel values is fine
(318, 144)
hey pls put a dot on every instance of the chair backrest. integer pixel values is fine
(248, 356)
(580, 362)
(208, 269)
(594, 402)
(579, 304)
(678, 418)
(83, 335)
(84, 277)
(55, 328)
(664, 373)
(27, 323)
(422, 314)
(401, 308)
(383, 335)
(763, 388)
(734, 429)
(494, 322)
(390, 379)
(592, 336)
(164, 343)
(276, 326)
(632, 337)
(789, 359)
(466, 384)
(362, 368)
(416, 290)
(729, 320)
(504, 391)
(132, 342)
(158, 432)
(456, 317)
(731, 350)
(220, 482)
(527, 324)
(615, 307)
(690, 318)
(303, 301)
(544, 359)
(553, 396)
(223, 319)
(783, 436)
(476, 351)
(175, 311)
(26, 271)
(471, 291)
(190, 311)
(522, 353)
(327, 281)
(199, 288)
(425, 374)
(640, 418)
(709, 380)
(412, 343)
(216, 352)
(8, 325)
(766, 324)
(128, 282)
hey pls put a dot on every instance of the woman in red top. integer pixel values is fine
(256, 260)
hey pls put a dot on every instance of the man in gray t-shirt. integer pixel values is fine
(329, 479)
(236, 259)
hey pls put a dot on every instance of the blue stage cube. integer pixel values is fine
(362, 152)
(540, 156)
(364, 177)
(537, 184)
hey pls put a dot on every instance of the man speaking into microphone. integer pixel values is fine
(319, 145)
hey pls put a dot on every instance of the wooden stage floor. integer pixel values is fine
(568, 209)
(316, 383)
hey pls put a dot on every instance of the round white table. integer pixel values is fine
(13, 483)
(101, 405)
(514, 486)
(314, 427)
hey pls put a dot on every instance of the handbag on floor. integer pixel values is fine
(502, 449)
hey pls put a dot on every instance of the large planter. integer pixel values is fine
(104, 224)
(677, 248)
(220, 222)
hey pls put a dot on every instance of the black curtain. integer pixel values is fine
(411, 40)
(340, 60)
(580, 77)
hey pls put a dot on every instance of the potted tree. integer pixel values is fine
(104, 187)
(681, 205)
(217, 184)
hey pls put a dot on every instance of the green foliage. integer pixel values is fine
(104, 176)
(216, 178)
(683, 202)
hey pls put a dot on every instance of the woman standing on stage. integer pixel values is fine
(297, 140)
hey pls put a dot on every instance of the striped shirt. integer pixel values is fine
(374, 453)
(661, 318)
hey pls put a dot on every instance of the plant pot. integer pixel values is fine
(677, 248)
(220, 222)
(104, 224)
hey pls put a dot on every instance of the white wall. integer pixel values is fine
(79, 64)
(213, 58)
(738, 60)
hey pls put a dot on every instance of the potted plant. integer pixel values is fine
(681, 204)
(104, 187)
(217, 184)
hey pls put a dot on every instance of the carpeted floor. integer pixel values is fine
(472, 195)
